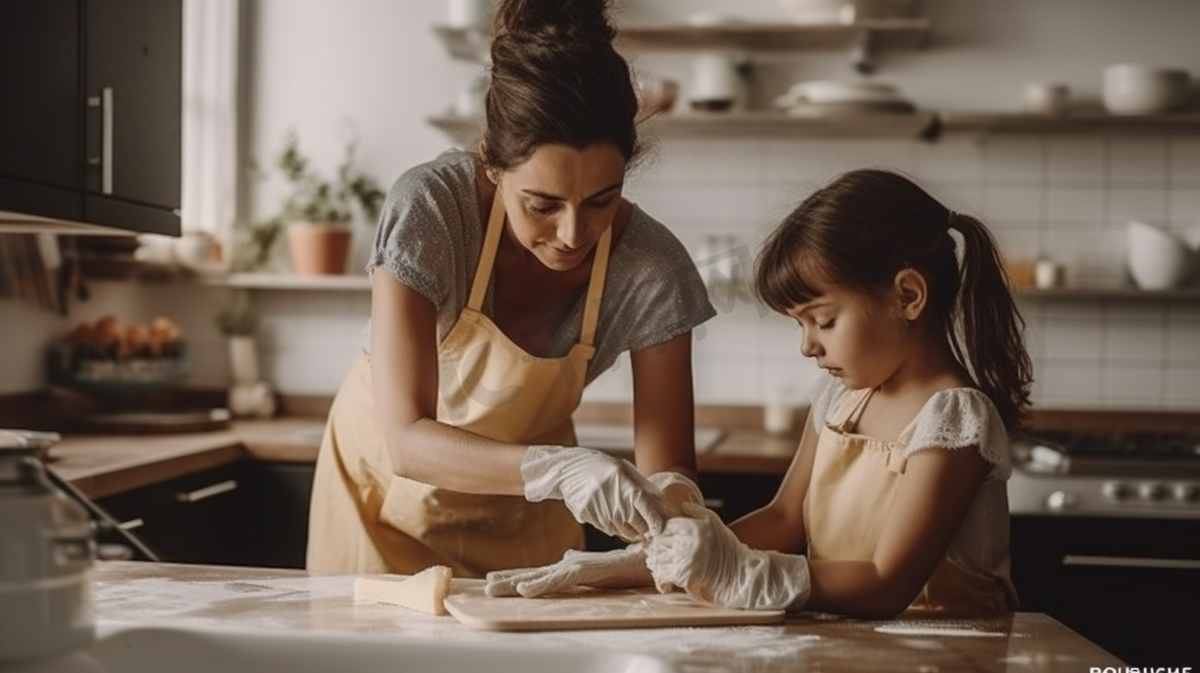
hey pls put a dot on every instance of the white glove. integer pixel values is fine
(619, 568)
(599, 489)
(676, 489)
(699, 554)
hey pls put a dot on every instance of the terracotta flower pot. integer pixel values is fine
(318, 249)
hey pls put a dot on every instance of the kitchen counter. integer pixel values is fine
(250, 599)
(104, 465)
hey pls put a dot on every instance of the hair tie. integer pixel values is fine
(951, 216)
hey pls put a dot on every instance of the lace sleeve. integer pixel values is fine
(827, 393)
(959, 418)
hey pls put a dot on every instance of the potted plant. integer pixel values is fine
(318, 212)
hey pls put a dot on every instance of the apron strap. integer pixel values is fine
(595, 294)
(851, 410)
(487, 254)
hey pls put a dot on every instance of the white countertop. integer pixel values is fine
(256, 598)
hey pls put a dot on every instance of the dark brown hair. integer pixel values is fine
(860, 230)
(556, 79)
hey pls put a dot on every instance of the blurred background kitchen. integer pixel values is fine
(1071, 127)
(1063, 192)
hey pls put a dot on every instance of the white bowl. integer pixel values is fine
(1131, 88)
(1157, 259)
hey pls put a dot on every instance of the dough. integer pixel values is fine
(423, 591)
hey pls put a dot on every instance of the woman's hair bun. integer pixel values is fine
(564, 21)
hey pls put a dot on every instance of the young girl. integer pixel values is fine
(896, 497)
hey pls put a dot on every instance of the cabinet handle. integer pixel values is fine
(105, 102)
(208, 491)
(714, 503)
(131, 524)
(1129, 562)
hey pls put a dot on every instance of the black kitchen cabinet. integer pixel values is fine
(196, 518)
(91, 128)
(245, 514)
(276, 526)
(1129, 584)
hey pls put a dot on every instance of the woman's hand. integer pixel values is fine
(599, 489)
(700, 555)
(616, 569)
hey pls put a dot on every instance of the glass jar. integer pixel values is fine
(46, 557)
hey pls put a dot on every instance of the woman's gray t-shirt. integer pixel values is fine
(429, 238)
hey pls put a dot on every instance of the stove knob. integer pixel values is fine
(1060, 500)
(1187, 493)
(1152, 491)
(1117, 491)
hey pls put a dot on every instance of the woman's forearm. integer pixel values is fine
(443, 455)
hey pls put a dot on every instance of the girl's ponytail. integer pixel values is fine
(990, 327)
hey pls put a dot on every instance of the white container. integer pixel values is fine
(45, 559)
(469, 13)
(1157, 259)
(1047, 98)
(1131, 88)
(716, 84)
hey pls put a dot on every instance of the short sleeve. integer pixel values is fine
(653, 291)
(827, 395)
(960, 418)
(413, 240)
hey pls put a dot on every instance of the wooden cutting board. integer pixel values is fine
(592, 609)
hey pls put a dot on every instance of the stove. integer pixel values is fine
(1105, 529)
(1110, 474)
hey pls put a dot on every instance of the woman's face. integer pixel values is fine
(562, 199)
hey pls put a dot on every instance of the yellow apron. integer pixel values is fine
(365, 519)
(854, 482)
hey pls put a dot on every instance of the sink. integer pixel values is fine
(153, 649)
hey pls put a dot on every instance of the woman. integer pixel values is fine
(502, 283)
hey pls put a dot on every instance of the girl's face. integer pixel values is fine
(853, 336)
(562, 199)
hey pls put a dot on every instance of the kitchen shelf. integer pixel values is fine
(894, 33)
(288, 281)
(924, 125)
(465, 130)
(1115, 293)
(1075, 122)
(865, 37)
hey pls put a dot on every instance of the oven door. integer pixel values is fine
(1129, 584)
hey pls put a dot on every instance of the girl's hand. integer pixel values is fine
(700, 555)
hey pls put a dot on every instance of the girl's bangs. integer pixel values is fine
(789, 278)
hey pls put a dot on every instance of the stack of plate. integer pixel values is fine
(833, 97)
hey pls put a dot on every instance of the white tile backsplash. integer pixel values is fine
(1183, 387)
(1067, 198)
(1137, 159)
(1126, 202)
(1184, 159)
(1183, 206)
(1062, 384)
(1013, 159)
(1075, 206)
(1071, 159)
(1133, 387)
(1012, 203)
